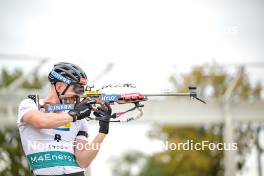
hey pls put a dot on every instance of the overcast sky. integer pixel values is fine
(145, 39)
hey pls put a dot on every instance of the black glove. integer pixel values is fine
(103, 114)
(81, 111)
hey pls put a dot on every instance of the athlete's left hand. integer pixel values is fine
(103, 114)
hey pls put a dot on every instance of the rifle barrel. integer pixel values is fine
(167, 94)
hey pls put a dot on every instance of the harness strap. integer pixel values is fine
(72, 174)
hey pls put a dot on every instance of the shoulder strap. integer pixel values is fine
(35, 98)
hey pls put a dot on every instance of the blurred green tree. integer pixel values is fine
(212, 81)
(8, 77)
(12, 158)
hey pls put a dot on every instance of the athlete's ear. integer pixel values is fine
(60, 86)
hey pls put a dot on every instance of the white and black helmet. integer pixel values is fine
(70, 74)
(70, 71)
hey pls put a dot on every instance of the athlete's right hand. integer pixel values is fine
(81, 111)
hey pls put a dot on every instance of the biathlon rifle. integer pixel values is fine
(98, 98)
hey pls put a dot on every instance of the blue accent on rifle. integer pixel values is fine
(109, 97)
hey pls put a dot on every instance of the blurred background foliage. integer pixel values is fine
(12, 158)
(212, 81)
(34, 82)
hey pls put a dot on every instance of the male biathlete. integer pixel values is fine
(56, 142)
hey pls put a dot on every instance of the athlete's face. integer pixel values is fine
(70, 93)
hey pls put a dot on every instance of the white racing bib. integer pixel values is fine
(50, 151)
